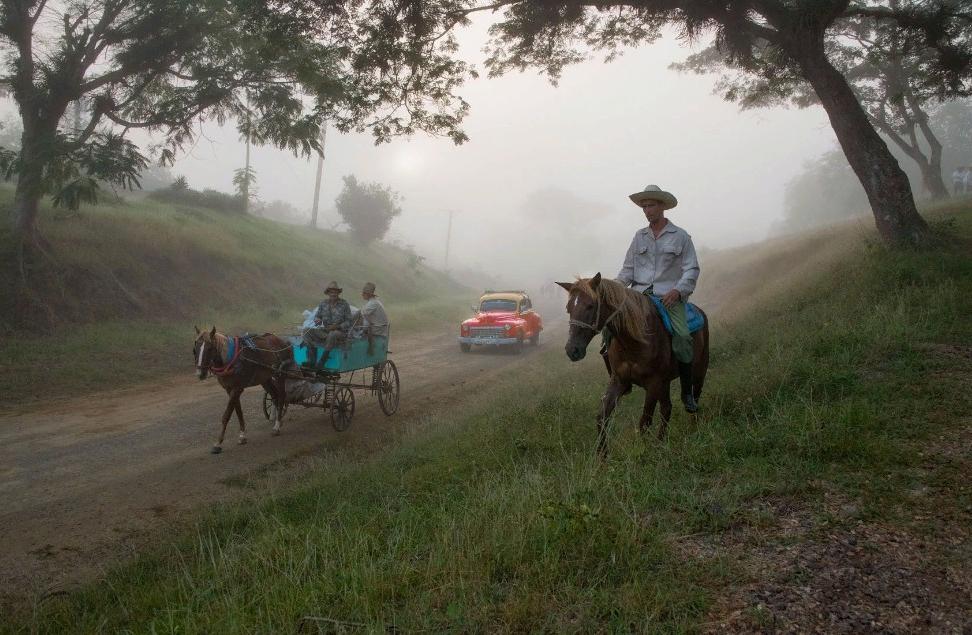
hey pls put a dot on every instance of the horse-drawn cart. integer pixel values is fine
(357, 365)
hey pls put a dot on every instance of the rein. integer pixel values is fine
(597, 316)
(235, 349)
(227, 368)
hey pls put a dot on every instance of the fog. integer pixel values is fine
(540, 190)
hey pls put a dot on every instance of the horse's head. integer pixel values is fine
(205, 352)
(583, 307)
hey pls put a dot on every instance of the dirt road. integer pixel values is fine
(84, 482)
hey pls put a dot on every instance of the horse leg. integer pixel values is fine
(666, 409)
(651, 400)
(697, 384)
(216, 449)
(239, 416)
(608, 402)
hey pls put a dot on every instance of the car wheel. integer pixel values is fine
(518, 347)
(465, 348)
(535, 340)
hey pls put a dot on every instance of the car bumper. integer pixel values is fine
(489, 341)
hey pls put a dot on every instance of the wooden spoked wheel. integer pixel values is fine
(268, 407)
(342, 408)
(388, 388)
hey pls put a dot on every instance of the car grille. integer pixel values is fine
(486, 331)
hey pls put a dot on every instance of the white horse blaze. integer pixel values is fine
(202, 349)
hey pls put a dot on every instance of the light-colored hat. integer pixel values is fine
(333, 285)
(369, 288)
(654, 193)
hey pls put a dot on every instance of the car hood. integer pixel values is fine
(493, 318)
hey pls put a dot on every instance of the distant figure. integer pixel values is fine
(373, 312)
(661, 261)
(967, 180)
(332, 322)
(958, 180)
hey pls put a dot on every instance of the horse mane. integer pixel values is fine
(635, 307)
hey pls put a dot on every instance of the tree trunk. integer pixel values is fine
(930, 166)
(30, 188)
(884, 182)
(934, 181)
(931, 175)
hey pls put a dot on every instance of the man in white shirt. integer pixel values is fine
(661, 261)
(375, 320)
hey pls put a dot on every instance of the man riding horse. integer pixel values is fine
(661, 262)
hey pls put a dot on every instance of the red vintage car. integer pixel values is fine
(503, 318)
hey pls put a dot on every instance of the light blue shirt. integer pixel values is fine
(664, 263)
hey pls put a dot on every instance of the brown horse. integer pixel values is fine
(247, 366)
(640, 352)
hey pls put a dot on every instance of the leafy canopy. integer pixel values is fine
(279, 69)
(367, 208)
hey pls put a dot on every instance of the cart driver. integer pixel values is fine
(332, 321)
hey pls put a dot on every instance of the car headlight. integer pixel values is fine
(508, 327)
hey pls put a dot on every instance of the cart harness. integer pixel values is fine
(234, 347)
(233, 353)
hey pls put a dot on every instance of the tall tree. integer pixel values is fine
(165, 65)
(784, 41)
(890, 69)
(367, 208)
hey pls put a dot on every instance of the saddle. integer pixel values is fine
(692, 314)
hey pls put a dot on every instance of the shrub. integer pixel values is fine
(180, 193)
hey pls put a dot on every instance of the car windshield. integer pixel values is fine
(498, 306)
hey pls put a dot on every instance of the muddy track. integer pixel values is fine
(85, 482)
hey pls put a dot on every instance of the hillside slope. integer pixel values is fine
(823, 488)
(145, 259)
(116, 301)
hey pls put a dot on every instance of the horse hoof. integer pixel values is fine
(275, 432)
(242, 441)
(215, 449)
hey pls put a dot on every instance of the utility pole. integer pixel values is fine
(317, 182)
(448, 240)
(246, 175)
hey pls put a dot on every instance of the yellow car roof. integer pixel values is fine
(502, 295)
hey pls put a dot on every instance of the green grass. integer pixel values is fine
(116, 302)
(500, 518)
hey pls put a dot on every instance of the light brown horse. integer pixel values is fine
(249, 366)
(640, 352)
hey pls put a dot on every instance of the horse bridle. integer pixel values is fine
(202, 350)
(597, 316)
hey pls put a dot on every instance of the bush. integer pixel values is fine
(179, 193)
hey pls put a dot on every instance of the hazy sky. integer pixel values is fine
(607, 130)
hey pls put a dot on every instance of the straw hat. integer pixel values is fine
(654, 193)
(369, 288)
(333, 285)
